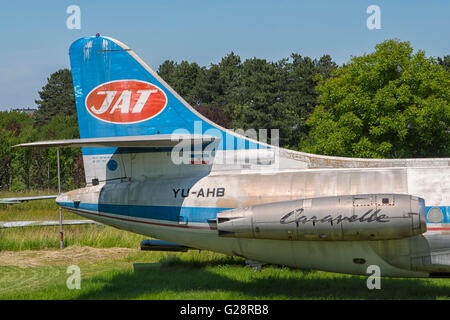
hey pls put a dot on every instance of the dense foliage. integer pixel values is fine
(35, 168)
(56, 97)
(255, 94)
(389, 103)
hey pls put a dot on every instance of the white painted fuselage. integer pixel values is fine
(177, 203)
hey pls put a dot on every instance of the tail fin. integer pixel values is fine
(117, 94)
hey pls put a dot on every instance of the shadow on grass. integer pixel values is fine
(181, 277)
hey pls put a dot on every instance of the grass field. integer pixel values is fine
(112, 267)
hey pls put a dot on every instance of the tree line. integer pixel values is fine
(390, 103)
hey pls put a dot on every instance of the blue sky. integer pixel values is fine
(35, 39)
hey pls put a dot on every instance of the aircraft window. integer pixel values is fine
(435, 215)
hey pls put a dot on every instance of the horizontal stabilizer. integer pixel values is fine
(22, 199)
(20, 224)
(162, 140)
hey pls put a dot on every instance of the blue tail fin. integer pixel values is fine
(117, 94)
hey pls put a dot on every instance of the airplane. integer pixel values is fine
(157, 167)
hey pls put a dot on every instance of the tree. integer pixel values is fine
(390, 103)
(214, 113)
(15, 128)
(300, 92)
(278, 95)
(444, 62)
(56, 97)
(217, 84)
(254, 94)
(62, 127)
(258, 103)
(28, 168)
(166, 70)
(182, 78)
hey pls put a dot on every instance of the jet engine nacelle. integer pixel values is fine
(350, 217)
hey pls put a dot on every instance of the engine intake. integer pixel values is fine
(350, 217)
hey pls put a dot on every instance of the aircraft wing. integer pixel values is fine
(22, 199)
(162, 140)
(19, 224)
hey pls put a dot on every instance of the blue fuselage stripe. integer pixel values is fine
(167, 213)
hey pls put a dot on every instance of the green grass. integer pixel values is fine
(38, 238)
(32, 210)
(203, 275)
(192, 275)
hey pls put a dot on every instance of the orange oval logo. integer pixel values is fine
(126, 101)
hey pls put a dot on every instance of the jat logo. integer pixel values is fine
(126, 101)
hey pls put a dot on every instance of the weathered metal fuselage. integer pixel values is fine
(182, 210)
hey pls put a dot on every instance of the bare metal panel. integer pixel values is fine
(319, 161)
(342, 218)
(20, 224)
(163, 140)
